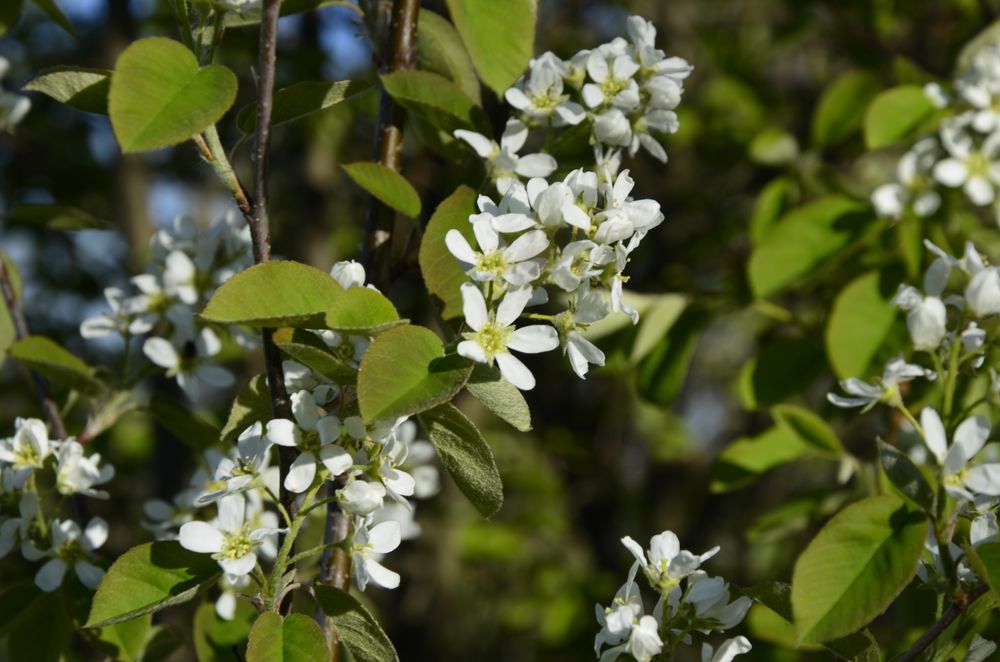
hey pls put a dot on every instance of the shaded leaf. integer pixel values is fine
(215, 638)
(294, 638)
(55, 217)
(301, 99)
(442, 273)
(499, 396)
(51, 361)
(253, 404)
(362, 311)
(746, 459)
(51, 9)
(896, 114)
(773, 201)
(661, 373)
(390, 187)
(440, 51)
(10, 12)
(435, 99)
(657, 320)
(310, 351)
(781, 370)
(906, 476)
(355, 626)
(42, 631)
(501, 54)
(774, 147)
(189, 428)
(861, 318)
(250, 17)
(809, 427)
(842, 107)
(82, 88)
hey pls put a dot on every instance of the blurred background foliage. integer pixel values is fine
(770, 121)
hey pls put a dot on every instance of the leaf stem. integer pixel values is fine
(959, 604)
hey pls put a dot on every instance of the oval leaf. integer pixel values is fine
(355, 626)
(499, 396)
(905, 475)
(159, 97)
(55, 217)
(51, 361)
(148, 578)
(440, 51)
(435, 99)
(80, 87)
(275, 293)
(301, 99)
(857, 564)
(896, 114)
(390, 187)
(405, 371)
(295, 638)
(442, 273)
(309, 350)
(500, 54)
(859, 322)
(842, 107)
(746, 459)
(253, 404)
(466, 456)
(809, 427)
(362, 310)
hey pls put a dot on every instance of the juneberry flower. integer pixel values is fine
(71, 548)
(313, 433)
(230, 539)
(369, 543)
(515, 264)
(863, 394)
(503, 164)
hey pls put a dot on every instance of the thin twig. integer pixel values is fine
(959, 604)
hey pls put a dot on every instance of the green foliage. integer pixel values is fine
(294, 638)
(82, 88)
(363, 311)
(657, 320)
(440, 51)
(442, 274)
(499, 396)
(50, 360)
(191, 429)
(10, 12)
(215, 638)
(802, 240)
(251, 17)
(302, 99)
(988, 557)
(405, 371)
(842, 107)
(7, 331)
(51, 9)
(436, 100)
(253, 404)
(661, 372)
(55, 217)
(773, 201)
(275, 293)
(774, 147)
(500, 55)
(160, 97)
(905, 475)
(355, 626)
(746, 459)
(390, 187)
(781, 370)
(466, 456)
(809, 427)
(310, 351)
(859, 323)
(896, 114)
(128, 639)
(148, 578)
(41, 631)
(854, 568)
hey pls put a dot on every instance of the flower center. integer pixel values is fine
(492, 338)
(492, 263)
(70, 552)
(978, 165)
(236, 545)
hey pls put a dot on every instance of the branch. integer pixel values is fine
(960, 603)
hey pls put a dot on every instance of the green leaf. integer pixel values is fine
(854, 568)
(500, 37)
(896, 114)
(660, 375)
(301, 99)
(189, 428)
(859, 322)
(355, 626)
(804, 239)
(55, 217)
(466, 456)
(127, 639)
(405, 371)
(435, 99)
(215, 638)
(781, 370)
(656, 322)
(8, 334)
(842, 107)
(442, 274)
(746, 459)
(499, 396)
(809, 427)
(80, 87)
(253, 404)
(387, 185)
(906, 476)
(774, 147)
(988, 555)
(159, 97)
(272, 294)
(295, 638)
(42, 632)
(250, 17)
(148, 578)
(51, 361)
(362, 311)
(51, 9)
(440, 51)
(10, 12)
(773, 201)
(309, 350)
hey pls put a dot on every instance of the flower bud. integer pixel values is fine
(926, 322)
(983, 292)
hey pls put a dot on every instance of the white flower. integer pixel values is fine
(493, 334)
(515, 264)
(729, 649)
(970, 436)
(13, 107)
(253, 452)
(70, 548)
(644, 643)
(926, 314)
(665, 563)
(121, 318)
(612, 84)
(971, 167)
(540, 94)
(502, 162)
(26, 450)
(979, 650)
(194, 376)
(617, 620)
(349, 274)
(612, 127)
(712, 608)
(313, 433)
(863, 394)
(913, 188)
(379, 539)
(230, 540)
(79, 474)
(13, 529)
(983, 292)
(361, 497)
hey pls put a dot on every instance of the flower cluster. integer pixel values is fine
(689, 601)
(574, 235)
(187, 266)
(13, 107)
(34, 469)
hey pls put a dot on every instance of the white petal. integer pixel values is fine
(90, 575)
(473, 306)
(934, 434)
(381, 575)
(96, 534)
(472, 350)
(241, 566)
(50, 576)
(535, 165)
(201, 537)
(512, 305)
(214, 375)
(528, 245)
(232, 512)
(534, 339)
(459, 247)
(514, 371)
(486, 236)
(304, 409)
(483, 146)
(384, 537)
(161, 352)
(951, 172)
(970, 436)
(283, 432)
(979, 190)
(515, 133)
(301, 473)
(984, 479)
(335, 459)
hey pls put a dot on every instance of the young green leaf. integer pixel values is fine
(802, 240)
(189, 428)
(842, 107)
(253, 404)
(500, 54)
(362, 311)
(10, 12)
(387, 185)
(273, 294)
(779, 371)
(55, 217)
(854, 568)
(661, 373)
(809, 427)
(80, 87)
(746, 459)
(499, 396)
(987, 556)
(251, 16)
(657, 320)
(405, 371)
(214, 638)
(773, 201)
(441, 271)
(301, 99)
(355, 626)
(51, 9)
(310, 351)
(906, 476)
(51, 361)
(148, 578)
(294, 638)
(435, 99)
(440, 51)
(896, 114)
(42, 632)
(8, 334)
(126, 640)
(774, 147)
(466, 456)
(160, 97)
(859, 322)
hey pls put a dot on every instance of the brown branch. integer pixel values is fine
(959, 604)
